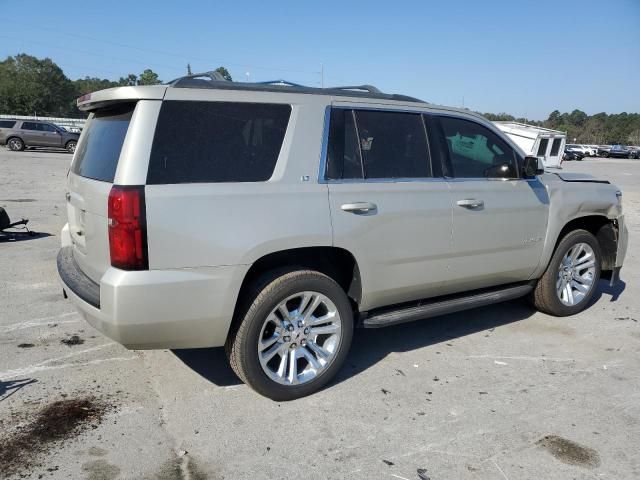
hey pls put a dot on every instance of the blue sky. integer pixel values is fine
(521, 57)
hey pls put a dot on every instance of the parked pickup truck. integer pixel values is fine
(274, 218)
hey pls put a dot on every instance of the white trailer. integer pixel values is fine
(540, 142)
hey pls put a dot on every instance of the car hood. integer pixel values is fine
(579, 177)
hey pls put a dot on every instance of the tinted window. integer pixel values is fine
(7, 123)
(542, 148)
(393, 145)
(29, 126)
(343, 154)
(201, 142)
(98, 152)
(555, 147)
(45, 127)
(477, 152)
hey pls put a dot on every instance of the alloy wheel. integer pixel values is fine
(300, 338)
(576, 274)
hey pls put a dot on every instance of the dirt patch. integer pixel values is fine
(72, 340)
(61, 420)
(100, 470)
(570, 452)
(26, 345)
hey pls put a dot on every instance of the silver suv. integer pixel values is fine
(273, 219)
(19, 134)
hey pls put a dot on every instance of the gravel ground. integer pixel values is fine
(500, 392)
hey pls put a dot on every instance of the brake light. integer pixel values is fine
(128, 228)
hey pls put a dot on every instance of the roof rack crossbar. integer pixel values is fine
(364, 88)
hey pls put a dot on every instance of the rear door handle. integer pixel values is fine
(470, 203)
(359, 207)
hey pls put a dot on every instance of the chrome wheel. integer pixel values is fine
(300, 338)
(576, 274)
(71, 147)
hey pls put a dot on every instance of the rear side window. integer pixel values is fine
(7, 123)
(377, 145)
(29, 126)
(213, 142)
(98, 153)
(542, 148)
(555, 147)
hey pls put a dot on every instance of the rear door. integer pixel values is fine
(31, 134)
(499, 219)
(390, 206)
(92, 174)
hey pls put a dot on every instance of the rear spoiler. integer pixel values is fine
(103, 98)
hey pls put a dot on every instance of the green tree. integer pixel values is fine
(149, 77)
(29, 86)
(128, 81)
(225, 73)
(92, 84)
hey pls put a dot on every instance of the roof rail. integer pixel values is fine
(363, 88)
(211, 75)
(283, 83)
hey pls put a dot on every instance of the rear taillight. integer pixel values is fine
(128, 228)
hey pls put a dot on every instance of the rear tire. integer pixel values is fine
(554, 293)
(15, 144)
(71, 146)
(276, 346)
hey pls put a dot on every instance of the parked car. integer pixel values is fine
(19, 134)
(603, 150)
(571, 152)
(273, 219)
(621, 151)
(579, 148)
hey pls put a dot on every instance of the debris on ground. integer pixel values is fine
(58, 421)
(570, 452)
(422, 474)
(25, 345)
(72, 340)
(388, 462)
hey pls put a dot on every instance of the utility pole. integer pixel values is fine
(189, 69)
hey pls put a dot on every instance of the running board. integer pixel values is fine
(436, 307)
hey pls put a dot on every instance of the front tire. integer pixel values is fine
(15, 144)
(71, 146)
(571, 277)
(293, 332)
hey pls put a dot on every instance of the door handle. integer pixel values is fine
(359, 207)
(470, 203)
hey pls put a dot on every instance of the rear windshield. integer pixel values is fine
(7, 123)
(210, 142)
(98, 152)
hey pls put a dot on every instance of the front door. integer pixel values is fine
(499, 219)
(389, 205)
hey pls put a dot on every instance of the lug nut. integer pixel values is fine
(303, 343)
(286, 338)
(293, 345)
(290, 328)
(307, 330)
(300, 324)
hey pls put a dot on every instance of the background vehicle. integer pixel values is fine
(579, 148)
(590, 150)
(273, 219)
(543, 143)
(573, 153)
(603, 150)
(33, 133)
(621, 151)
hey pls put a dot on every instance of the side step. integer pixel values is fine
(450, 304)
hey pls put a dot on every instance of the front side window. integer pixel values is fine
(477, 152)
(555, 146)
(542, 148)
(212, 142)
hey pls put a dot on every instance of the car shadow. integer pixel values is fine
(47, 150)
(22, 236)
(9, 388)
(372, 345)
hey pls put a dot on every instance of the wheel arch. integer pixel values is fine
(603, 228)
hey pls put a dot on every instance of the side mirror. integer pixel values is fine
(532, 166)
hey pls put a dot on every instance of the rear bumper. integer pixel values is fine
(187, 308)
